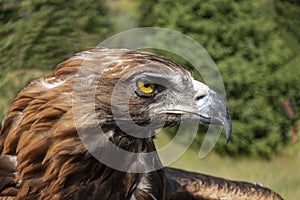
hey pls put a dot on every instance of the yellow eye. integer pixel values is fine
(146, 87)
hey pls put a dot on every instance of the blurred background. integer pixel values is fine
(255, 44)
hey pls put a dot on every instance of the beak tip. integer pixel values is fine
(228, 134)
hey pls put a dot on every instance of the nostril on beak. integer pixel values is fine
(199, 97)
(201, 90)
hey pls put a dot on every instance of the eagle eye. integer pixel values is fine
(146, 86)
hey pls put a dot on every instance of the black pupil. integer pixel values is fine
(146, 84)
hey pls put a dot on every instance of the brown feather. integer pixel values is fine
(188, 185)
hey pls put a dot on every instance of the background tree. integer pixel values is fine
(37, 35)
(256, 63)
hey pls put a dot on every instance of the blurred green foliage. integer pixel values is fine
(42, 33)
(39, 34)
(257, 64)
(254, 43)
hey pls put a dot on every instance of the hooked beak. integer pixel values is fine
(207, 107)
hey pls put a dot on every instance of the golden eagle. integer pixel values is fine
(43, 156)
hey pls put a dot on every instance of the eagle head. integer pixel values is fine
(140, 92)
